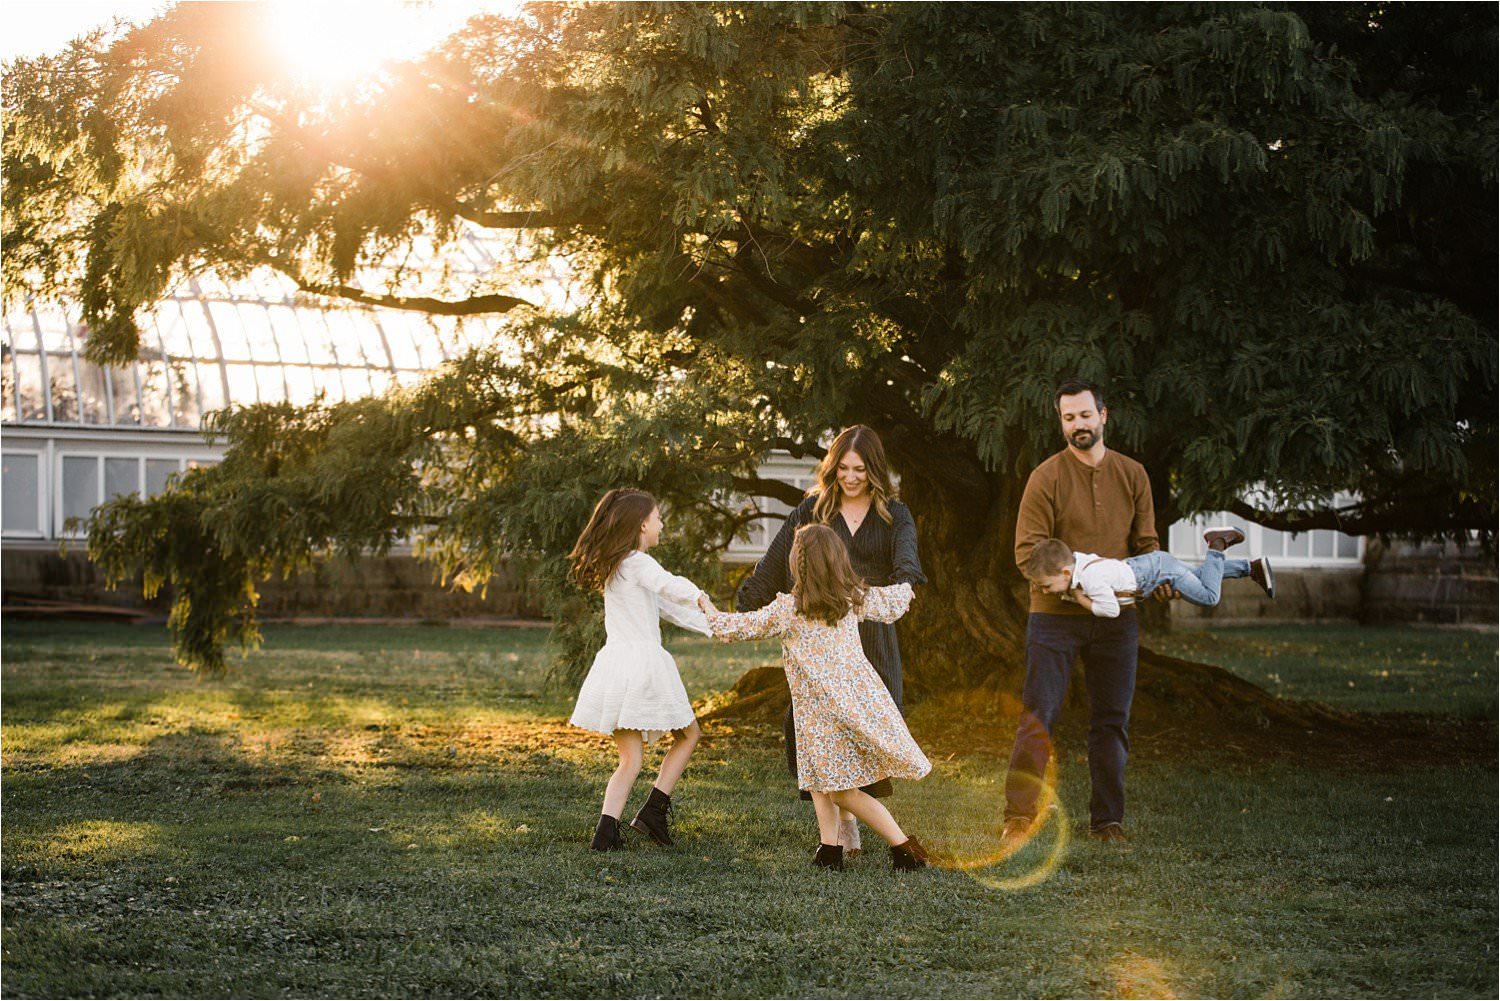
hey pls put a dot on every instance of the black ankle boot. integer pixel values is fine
(607, 835)
(908, 857)
(829, 857)
(652, 818)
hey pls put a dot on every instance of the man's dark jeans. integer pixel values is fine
(1109, 648)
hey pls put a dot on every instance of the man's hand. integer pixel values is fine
(1165, 592)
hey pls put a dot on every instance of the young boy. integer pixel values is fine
(1102, 585)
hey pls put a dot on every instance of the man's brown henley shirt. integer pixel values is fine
(1104, 509)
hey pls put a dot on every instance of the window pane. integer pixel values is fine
(231, 331)
(1297, 545)
(288, 333)
(1348, 546)
(356, 382)
(7, 384)
(399, 334)
(121, 476)
(345, 345)
(64, 388)
(1272, 542)
(171, 326)
(18, 488)
(157, 473)
(19, 333)
(257, 324)
(210, 387)
(185, 412)
(127, 403)
(300, 385)
(242, 384)
(272, 387)
(315, 334)
(57, 333)
(80, 486)
(1323, 544)
(29, 399)
(155, 405)
(93, 394)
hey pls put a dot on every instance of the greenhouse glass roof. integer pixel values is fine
(260, 339)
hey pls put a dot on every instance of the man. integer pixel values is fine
(1097, 501)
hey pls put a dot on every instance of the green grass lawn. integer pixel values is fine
(377, 811)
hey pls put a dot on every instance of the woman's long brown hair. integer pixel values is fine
(612, 532)
(863, 440)
(824, 584)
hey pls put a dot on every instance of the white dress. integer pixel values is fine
(633, 683)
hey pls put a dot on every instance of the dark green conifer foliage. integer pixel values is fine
(1269, 229)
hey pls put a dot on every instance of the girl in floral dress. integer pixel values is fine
(633, 691)
(849, 731)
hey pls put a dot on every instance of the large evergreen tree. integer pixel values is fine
(1269, 229)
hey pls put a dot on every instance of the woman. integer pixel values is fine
(854, 497)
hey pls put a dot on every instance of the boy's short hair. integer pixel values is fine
(1048, 557)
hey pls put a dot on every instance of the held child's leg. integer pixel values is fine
(630, 746)
(1201, 586)
(1236, 568)
(675, 760)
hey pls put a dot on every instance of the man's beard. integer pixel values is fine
(1086, 439)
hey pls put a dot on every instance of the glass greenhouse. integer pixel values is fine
(76, 434)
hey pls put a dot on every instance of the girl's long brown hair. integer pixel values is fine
(862, 439)
(612, 532)
(824, 584)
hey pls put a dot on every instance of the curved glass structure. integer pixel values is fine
(76, 434)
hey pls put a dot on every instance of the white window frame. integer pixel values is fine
(43, 484)
(140, 457)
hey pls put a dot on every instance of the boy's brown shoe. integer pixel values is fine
(1222, 538)
(1260, 572)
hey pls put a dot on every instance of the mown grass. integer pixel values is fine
(368, 811)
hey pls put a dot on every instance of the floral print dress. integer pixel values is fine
(849, 731)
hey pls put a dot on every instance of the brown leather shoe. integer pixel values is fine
(1260, 572)
(1110, 833)
(1222, 538)
(1017, 832)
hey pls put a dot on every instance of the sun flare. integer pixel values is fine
(335, 42)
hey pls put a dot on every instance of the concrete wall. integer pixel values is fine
(1302, 595)
(1430, 583)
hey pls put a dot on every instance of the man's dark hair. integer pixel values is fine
(1071, 387)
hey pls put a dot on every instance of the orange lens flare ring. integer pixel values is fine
(1052, 824)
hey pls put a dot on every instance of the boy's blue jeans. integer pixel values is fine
(1108, 648)
(1199, 587)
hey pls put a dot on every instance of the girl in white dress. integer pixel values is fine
(633, 691)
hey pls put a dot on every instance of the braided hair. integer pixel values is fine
(824, 584)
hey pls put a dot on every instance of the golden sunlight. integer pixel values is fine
(333, 42)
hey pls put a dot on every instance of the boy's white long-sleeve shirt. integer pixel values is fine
(1103, 580)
